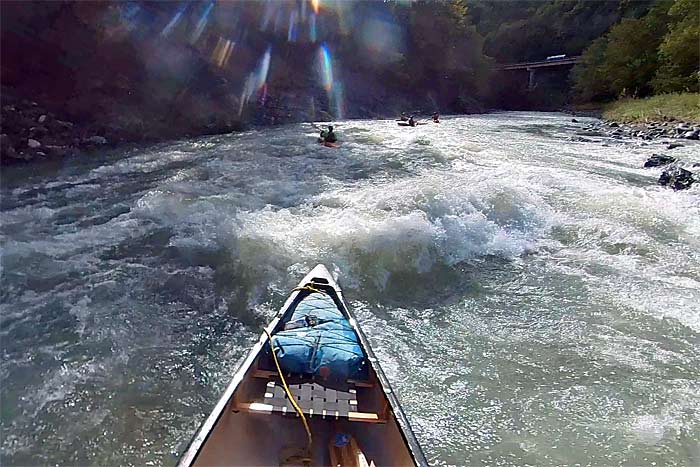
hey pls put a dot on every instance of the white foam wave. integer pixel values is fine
(406, 226)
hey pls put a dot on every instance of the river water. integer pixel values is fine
(532, 298)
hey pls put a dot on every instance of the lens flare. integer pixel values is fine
(173, 22)
(202, 23)
(222, 52)
(312, 27)
(292, 30)
(315, 4)
(263, 68)
(279, 20)
(338, 99)
(326, 67)
(267, 16)
(257, 80)
(248, 89)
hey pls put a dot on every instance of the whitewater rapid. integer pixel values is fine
(533, 298)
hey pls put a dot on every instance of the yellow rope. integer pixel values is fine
(290, 395)
(309, 288)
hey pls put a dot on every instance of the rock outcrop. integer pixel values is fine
(657, 160)
(677, 178)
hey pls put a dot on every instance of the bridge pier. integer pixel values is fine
(530, 67)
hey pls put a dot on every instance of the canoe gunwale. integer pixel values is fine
(401, 419)
(195, 446)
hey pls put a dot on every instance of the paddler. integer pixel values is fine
(411, 121)
(328, 136)
(436, 118)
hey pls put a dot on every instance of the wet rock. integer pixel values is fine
(57, 150)
(657, 160)
(590, 133)
(573, 120)
(692, 134)
(42, 119)
(7, 150)
(682, 128)
(613, 124)
(98, 140)
(32, 143)
(674, 146)
(67, 125)
(38, 131)
(677, 178)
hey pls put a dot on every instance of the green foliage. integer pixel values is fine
(663, 107)
(590, 81)
(659, 52)
(630, 58)
(446, 52)
(679, 52)
(525, 30)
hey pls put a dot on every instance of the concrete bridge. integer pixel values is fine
(530, 67)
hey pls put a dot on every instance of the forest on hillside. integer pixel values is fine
(144, 69)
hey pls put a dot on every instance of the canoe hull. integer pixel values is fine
(232, 435)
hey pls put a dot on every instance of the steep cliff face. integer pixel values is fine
(130, 71)
(94, 64)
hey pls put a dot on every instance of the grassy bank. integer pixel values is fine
(664, 107)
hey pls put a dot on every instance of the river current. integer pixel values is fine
(533, 298)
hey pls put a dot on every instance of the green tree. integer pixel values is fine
(590, 81)
(679, 52)
(625, 60)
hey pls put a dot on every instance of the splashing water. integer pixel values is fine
(532, 299)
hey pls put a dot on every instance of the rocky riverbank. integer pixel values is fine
(30, 132)
(677, 174)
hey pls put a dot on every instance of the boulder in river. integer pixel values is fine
(674, 146)
(590, 133)
(677, 178)
(32, 143)
(657, 160)
(682, 128)
(692, 134)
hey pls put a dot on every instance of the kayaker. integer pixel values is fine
(328, 136)
(411, 121)
(403, 116)
(436, 118)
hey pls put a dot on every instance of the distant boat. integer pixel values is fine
(556, 57)
(351, 421)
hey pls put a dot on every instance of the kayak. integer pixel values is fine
(406, 124)
(330, 145)
(309, 392)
